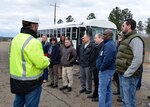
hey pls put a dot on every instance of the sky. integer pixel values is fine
(13, 11)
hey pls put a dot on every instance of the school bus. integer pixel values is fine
(76, 30)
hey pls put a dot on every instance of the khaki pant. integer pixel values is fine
(67, 76)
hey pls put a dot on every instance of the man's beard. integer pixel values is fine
(123, 32)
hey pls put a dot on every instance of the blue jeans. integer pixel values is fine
(30, 99)
(45, 74)
(128, 90)
(105, 88)
(139, 84)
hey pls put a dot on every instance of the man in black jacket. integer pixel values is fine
(93, 57)
(84, 62)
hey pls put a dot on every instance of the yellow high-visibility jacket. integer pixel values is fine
(27, 59)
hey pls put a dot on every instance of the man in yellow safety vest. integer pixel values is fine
(27, 62)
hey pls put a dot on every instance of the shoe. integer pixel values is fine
(60, 77)
(148, 97)
(90, 96)
(69, 89)
(138, 88)
(63, 87)
(119, 99)
(54, 86)
(77, 74)
(88, 92)
(95, 99)
(50, 85)
(82, 90)
(116, 93)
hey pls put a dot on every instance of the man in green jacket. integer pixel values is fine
(129, 62)
(27, 62)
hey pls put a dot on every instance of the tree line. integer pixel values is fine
(71, 19)
(116, 16)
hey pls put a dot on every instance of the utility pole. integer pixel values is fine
(54, 12)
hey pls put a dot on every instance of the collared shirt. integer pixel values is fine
(86, 45)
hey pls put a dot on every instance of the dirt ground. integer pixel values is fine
(56, 98)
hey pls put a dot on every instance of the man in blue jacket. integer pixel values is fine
(106, 66)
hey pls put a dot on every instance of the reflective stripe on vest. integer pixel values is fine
(24, 65)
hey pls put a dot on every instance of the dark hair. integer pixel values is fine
(132, 23)
(53, 39)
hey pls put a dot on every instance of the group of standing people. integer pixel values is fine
(124, 58)
(87, 64)
(62, 56)
(100, 59)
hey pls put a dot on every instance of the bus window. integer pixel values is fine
(89, 31)
(55, 33)
(44, 32)
(74, 33)
(63, 31)
(96, 30)
(47, 32)
(81, 34)
(68, 32)
(59, 33)
(114, 36)
(51, 32)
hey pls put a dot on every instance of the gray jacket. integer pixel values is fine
(137, 48)
(68, 56)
